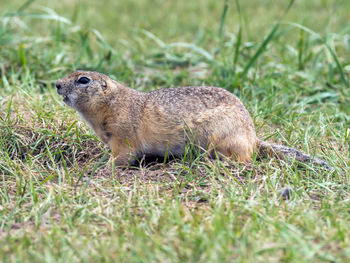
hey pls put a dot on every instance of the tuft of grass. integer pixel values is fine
(61, 197)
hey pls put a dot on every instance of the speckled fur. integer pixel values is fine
(135, 123)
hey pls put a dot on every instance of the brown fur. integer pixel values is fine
(135, 123)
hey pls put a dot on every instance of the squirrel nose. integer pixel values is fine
(58, 86)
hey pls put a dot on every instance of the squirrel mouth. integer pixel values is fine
(66, 99)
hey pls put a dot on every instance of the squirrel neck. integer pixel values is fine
(117, 101)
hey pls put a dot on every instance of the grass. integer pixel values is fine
(62, 200)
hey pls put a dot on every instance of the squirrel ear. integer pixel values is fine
(104, 85)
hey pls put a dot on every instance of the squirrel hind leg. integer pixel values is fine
(238, 149)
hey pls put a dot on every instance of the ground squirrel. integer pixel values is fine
(135, 123)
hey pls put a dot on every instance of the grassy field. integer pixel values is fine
(61, 200)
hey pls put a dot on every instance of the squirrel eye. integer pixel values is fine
(83, 80)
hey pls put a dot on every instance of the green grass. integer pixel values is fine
(61, 199)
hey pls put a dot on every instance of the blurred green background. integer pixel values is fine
(44, 26)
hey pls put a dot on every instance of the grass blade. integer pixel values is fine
(328, 47)
(267, 40)
(260, 50)
(222, 24)
(196, 49)
(238, 44)
(25, 6)
(300, 50)
(339, 67)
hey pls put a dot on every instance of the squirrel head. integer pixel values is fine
(84, 90)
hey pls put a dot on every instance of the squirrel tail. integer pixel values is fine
(265, 148)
